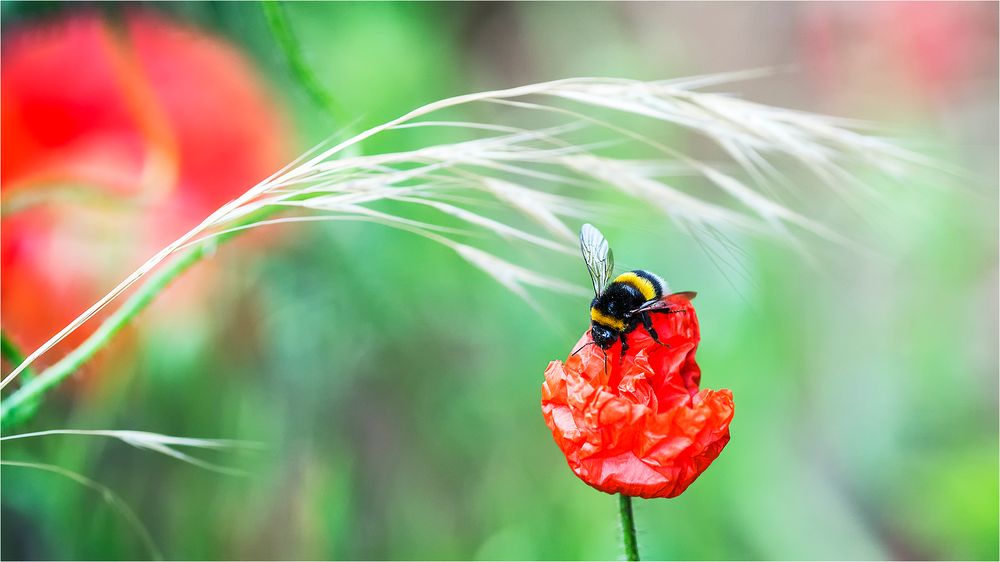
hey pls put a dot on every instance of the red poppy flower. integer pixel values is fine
(638, 425)
(115, 142)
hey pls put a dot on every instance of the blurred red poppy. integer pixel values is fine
(115, 140)
(929, 52)
(638, 426)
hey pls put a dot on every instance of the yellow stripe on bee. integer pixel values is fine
(645, 287)
(605, 320)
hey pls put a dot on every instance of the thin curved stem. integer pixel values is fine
(628, 527)
(112, 499)
(277, 22)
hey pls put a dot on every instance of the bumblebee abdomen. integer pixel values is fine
(649, 285)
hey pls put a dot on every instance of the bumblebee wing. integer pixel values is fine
(661, 303)
(598, 257)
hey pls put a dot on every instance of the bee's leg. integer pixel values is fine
(624, 346)
(647, 323)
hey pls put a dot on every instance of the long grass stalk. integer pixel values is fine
(520, 171)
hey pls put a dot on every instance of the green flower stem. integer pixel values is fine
(628, 527)
(21, 404)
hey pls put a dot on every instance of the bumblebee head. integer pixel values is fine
(604, 337)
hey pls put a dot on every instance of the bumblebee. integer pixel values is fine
(621, 304)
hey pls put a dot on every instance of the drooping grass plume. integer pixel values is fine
(156, 442)
(529, 186)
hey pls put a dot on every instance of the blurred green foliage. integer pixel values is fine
(397, 389)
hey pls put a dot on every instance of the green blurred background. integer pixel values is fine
(396, 389)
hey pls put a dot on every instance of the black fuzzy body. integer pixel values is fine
(612, 311)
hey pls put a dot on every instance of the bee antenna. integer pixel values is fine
(583, 346)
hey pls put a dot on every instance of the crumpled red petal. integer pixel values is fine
(638, 426)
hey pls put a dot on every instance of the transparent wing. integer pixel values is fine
(661, 303)
(598, 257)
